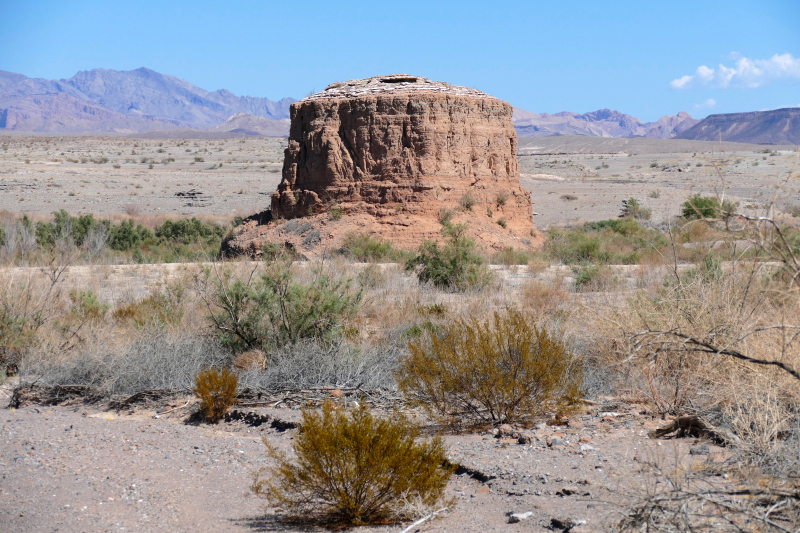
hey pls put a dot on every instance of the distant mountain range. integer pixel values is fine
(778, 126)
(601, 123)
(143, 101)
(105, 100)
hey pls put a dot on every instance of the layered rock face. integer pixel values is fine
(389, 153)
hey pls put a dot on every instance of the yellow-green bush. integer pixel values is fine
(493, 371)
(354, 469)
(216, 390)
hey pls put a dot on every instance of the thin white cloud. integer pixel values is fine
(750, 73)
(708, 104)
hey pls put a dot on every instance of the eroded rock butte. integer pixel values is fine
(387, 156)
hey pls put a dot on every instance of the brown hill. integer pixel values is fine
(779, 126)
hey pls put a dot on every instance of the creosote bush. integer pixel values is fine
(495, 371)
(217, 392)
(353, 469)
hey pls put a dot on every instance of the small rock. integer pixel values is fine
(585, 439)
(565, 524)
(525, 438)
(336, 393)
(519, 517)
(567, 491)
(703, 449)
(587, 448)
(555, 442)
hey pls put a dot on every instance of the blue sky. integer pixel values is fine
(642, 57)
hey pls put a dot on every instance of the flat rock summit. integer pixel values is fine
(388, 156)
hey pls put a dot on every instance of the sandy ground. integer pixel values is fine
(575, 179)
(226, 177)
(570, 178)
(80, 467)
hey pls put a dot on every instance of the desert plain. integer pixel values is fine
(570, 178)
(147, 465)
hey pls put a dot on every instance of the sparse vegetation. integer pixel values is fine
(366, 249)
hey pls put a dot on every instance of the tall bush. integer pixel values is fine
(274, 309)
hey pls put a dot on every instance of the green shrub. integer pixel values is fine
(494, 371)
(189, 231)
(616, 241)
(2, 235)
(353, 469)
(335, 213)
(577, 247)
(623, 226)
(502, 222)
(706, 207)
(273, 309)
(456, 265)
(85, 309)
(217, 392)
(127, 236)
(501, 198)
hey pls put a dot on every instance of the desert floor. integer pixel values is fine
(148, 467)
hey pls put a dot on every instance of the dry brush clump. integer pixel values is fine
(353, 469)
(499, 370)
(217, 392)
(719, 344)
(680, 348)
